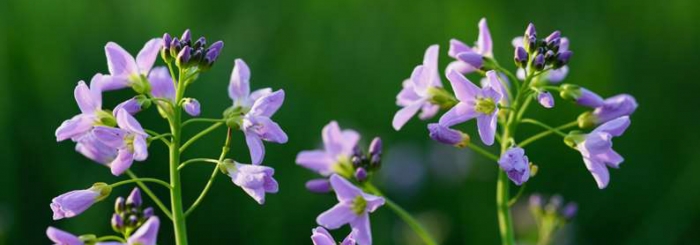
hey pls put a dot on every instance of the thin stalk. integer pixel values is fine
(483, 152)
(194, 120)
(544, 125)
(152, 180)
(200, 135)
(546, 133)
(179, 224)
(214, 173)
(405, 216)
(517, 195)
(111, 238)
(194, 160)
(150, 193)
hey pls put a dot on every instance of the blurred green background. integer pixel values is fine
(345, 60)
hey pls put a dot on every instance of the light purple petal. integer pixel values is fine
(344, 190)
(564, 44)
(473, 59)
(162, 86)
(464, 89)
(75, 127)
(259, 93)
(430, 67)
(487, 127)
(192, 107)
(339, 142)
(73, 203)
(337, 216)
(373, 202)
(256, 148)
(407, 95)
(558, 75)
(615, 127)
(127, 122)
(484, 42)
(147, 234)
(456, 47)
(119, 62)
(611, 158)
(140, 148)
(95, 150)
(460, 113)
(148, 55)
(517, 42)
(89, 101)
(460, 67)
(239, 86)
(111, 82)
(123, 162)
(131, 106)
(264, 128)
(111, 137)
(320, 236)
(404, 114)
(268, 104)
(599, 171)
(545, 99)
(614, 107)
(61, 237)
(316, 160)
(444, 134)
(428, 111)
(363, 234)
(494, 81)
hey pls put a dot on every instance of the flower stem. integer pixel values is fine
(194, 120)
(152, 180)
(200, 135)
(111, 238)
(194, 160)
(544, 125)
(405, 216)
(179, 224)
(150, 193)
(517, 195)
(214, 173)
(483, 152)
(546, 133)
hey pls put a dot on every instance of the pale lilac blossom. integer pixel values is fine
(470, 59)
(338, 148)
(124, 69)
(320, 236)
(415, 94)
(89, 101)
(255, 180)
(516, 165)
(614, 107)
(59, 237)
(73, 203)
(129, 140)
(597, 152)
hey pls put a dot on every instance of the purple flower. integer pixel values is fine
(353, 208)
(191, 106)
(162, 85)
(132, 106)
(320, 236)
(255, 180)
(614, 107)
(147, 234)
(597, 152)
(60, 237)
(589, 99)
(73, 203)
(470, 59)
(92, 148)
(319, 186)
(546, 99)
(515, 163)
(338, 148)
(445, 134)
(129, 140)
(415, 94)
(89, 101)
(124, 69)
(474, 102)
(257, 108)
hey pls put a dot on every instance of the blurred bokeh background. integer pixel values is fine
(344, 61)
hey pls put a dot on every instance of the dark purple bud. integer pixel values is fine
(175, 47)
(147, 213)
(361, 174)
(134, 199)
(554, 36)
(375, 148)
(530, 31)
(183, 57)
(117, 222)
(563, 58)
(200, 43)
(356, 161)
(569, 211)
(356, 151)
(166, 40)
(375, 160)
(473, 59)
(549, 56)
(197, 57)
(186, 36)
(119, 205)
(319, 186)
(218, 45)
(521, 56)
(133, 220)
(538, 63)
(530, 44)
(535, 201)
(211, 56)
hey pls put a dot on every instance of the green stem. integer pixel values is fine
(412, 222)
(111, 238)
(150, 193)
(214, 173)
(194, 160)
(200, 135)
(194, 120)
(155, 135)
(544, 125)
(483, 151)
(546, 133)
(517, 195)
(179, 224)
(152, 180)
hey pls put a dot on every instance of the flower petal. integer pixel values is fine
(464, 89)
(265, 128)
(456, 47)
(147, 234)
(615, 127)
(363, 234)
(268, 104)
(148, 55)
(140, 148)
(75, 127)
(321, 236)
(61, 237)
(88, 101)
(162, 85)
(119, 62)
(404, 114)
(339, 142)
(336, 217)
(484, 42)
(256, 148)
(239, 86)
(460, 113)
(599, 171)
(127, 122)
(344, 190)
(111, 137)
(316, 160)
(123, 162)
(487, 127)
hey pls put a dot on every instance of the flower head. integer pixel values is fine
(253, 112)
(89, 101)
(546, 99)
(256, 180)
(129, 140)
(614, 107)
(127, 71)
(417, 90)
(191, 106)
(447, 135)
(353, 208)
(596, 149)
(474, 102)
(320, 236)
(60, 237)
(73, 203)
(515, 163)
(338, 148)
(470, 59)
(558, 58)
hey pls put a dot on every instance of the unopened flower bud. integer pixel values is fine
(119, 205)
(473, 59)
(319, 186)
(531, 44)
(563, 58)
(165, 51)
(516, 165)
(133, 220)
(530, 31)
(553, 40)
(538, 63)
(356, 160)
(375, 161)
(375, 148)
(521, 57)
(183, 57)
(200, 43)
(134, 199)
(117, 222)
(569, 211)
(361, 174)
(546, 99)
(186, 37)
(147, 213)
(191, 106)
(175, 47)
(196, 57)
(444, 134)
(549, 56)
(586, 120)
(581, 96)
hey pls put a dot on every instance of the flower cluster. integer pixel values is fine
(115, 138)
(552, 215)
(343, 160)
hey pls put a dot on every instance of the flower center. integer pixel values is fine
(485, 105)
(359, 205)
(105, 118)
